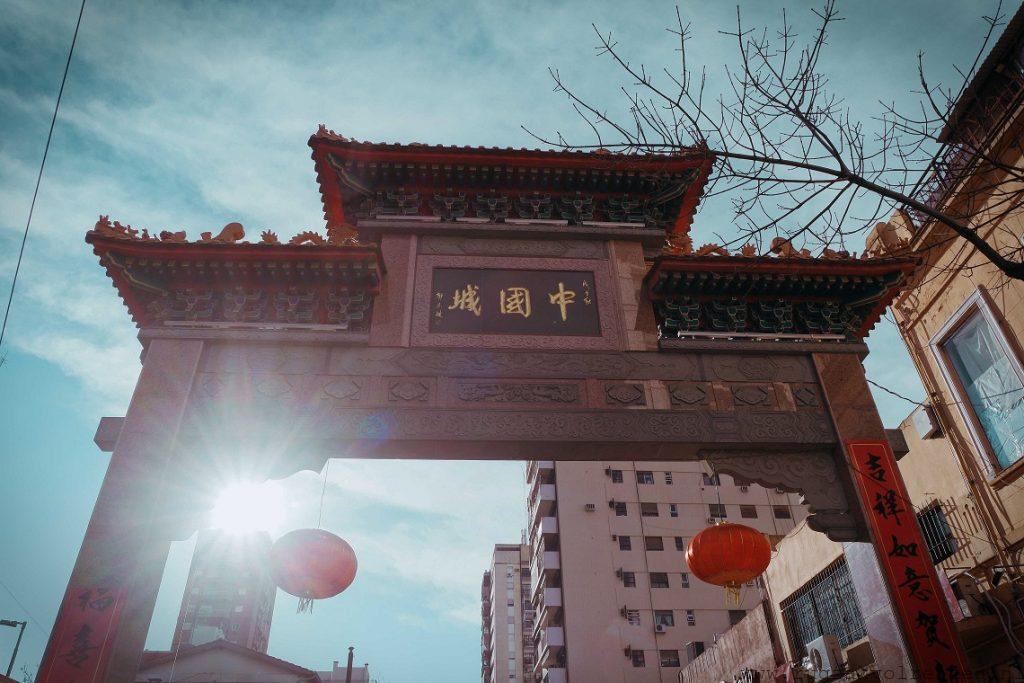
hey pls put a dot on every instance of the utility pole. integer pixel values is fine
(348, 669)
(22, 624)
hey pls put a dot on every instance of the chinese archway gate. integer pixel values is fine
(495, 304)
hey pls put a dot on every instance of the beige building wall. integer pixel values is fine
(506, 616)
(954, 285)
(591, 625)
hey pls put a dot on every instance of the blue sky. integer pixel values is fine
(190, 115)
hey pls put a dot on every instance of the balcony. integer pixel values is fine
(541, 469)
(553, 675)
(542, 500)
(550, 597)
(550, 643)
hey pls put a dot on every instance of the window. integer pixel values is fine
(748, 511)
(686, 580)
(659, 580)
(616, 476)
(736, 616)
(691, 618)
(633, 617)
(680, 543)
(664, 618)
(673, 511)
(654, 543)
(638, 658)
(629, 579)
(710, 479)
(644, 477)
(987, 379)
(941, 542)
(668, 477)
(740, 482)
(716, 511)
(669, 658)
(625, 543)
(620, 510)
(648, 509)
(781, 512)
(825, 604)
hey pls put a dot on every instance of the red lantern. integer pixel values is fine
(312, 564)
(728, 555)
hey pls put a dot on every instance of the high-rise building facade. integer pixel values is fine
(507, 617)
(614, 599)
(230, 592)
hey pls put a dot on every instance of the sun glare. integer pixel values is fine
(249, 506)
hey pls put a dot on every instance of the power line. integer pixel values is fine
(890, 391)
(31, 618)
(39, 177)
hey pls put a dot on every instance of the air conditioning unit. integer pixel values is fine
(608, 471)
(628, 651)
(660, 628)
(826, 657)
(623, 612)
(589, 507)
(618, 572)
(611, 503)
(779, 491)
(615, 537)
(744, 489)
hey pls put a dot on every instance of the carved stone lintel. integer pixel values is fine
(625, 393)
(508, 392)
(814, 475)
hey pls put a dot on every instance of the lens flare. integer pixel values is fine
(249, 506)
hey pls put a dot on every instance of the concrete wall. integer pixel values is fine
(746, 646)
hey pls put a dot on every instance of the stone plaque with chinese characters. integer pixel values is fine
(494, 301)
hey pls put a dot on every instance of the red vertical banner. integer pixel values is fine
(87, 624)
(906, 565)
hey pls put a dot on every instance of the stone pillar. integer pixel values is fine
(856, 418)
(103, 621)
(391, 322)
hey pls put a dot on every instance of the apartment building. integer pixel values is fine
(506, 641)
(230, 593)
(612, 593)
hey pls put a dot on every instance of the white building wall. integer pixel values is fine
(593, 569)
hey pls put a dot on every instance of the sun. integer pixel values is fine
(249, 506)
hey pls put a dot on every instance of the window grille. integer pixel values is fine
(825, 604)
(937, 533)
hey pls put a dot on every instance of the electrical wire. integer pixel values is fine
(35, 622)
(39, 177)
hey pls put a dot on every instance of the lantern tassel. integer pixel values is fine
(733, 596)
(305, 605)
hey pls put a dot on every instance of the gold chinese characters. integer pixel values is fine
(513, 300)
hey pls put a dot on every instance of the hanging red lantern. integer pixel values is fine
(312, 564)
(728, 555)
